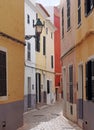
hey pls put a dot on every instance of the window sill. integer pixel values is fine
(79, 25)
(68, 29)
(2, 98)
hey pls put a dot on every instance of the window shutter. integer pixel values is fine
(37, 40)
(71, 83)
(93, 3)
(88, 81)
(3, 83)
(92, 68)
(44, 45)
(52, 62)
(48, 86)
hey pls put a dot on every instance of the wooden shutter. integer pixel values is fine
(3, 89)
(92, 83)
(51, 61)
(71, 83)
(44, 45)
(88, 81)
(48, 86)
(37, 40)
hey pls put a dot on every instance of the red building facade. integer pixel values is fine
(57, 49)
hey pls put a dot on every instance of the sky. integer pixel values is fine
(49, 2)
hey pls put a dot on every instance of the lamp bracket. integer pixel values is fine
(28, 37)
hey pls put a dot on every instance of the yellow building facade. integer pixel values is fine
(84, 64)
(11, 64)
(44, 57)
(41, 58)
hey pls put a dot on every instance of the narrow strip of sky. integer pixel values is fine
(49, 2)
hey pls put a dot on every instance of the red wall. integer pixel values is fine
(57, 46)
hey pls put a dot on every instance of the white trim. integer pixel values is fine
(41, 11)
(51, 25)
(5, 50)
(90, 58)
(31, 4)
(81, 63)
(64, 67)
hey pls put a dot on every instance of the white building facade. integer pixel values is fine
(30, 58)
(39, 87)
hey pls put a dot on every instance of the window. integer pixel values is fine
(51, 61)
(48, 86)
(90, 80)
(71, 110)
(37, 40)
(51, 35)
(36, 16)
(44, 45)
(3, 80)
(46, 30)
(89, 5)
(28, 51)
(62, 22)
(28, 18)
(79, 12)
(71, 83)
(68, 14)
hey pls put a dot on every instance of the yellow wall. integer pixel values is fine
(12, 23)
(87, 23)
(84, 42)
(40, 58)
(12, 18)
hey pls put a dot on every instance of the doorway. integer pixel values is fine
(80, 92)
(38, 87)
(29, 92)
(64, 91)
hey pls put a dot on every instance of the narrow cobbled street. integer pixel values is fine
(49, 117)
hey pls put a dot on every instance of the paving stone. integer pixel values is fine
(48, 118)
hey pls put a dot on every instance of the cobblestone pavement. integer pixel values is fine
(48, 118)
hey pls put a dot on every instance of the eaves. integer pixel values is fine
(42, 11)
(31, 5)
(51, 25)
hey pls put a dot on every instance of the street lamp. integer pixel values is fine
(38, 26)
